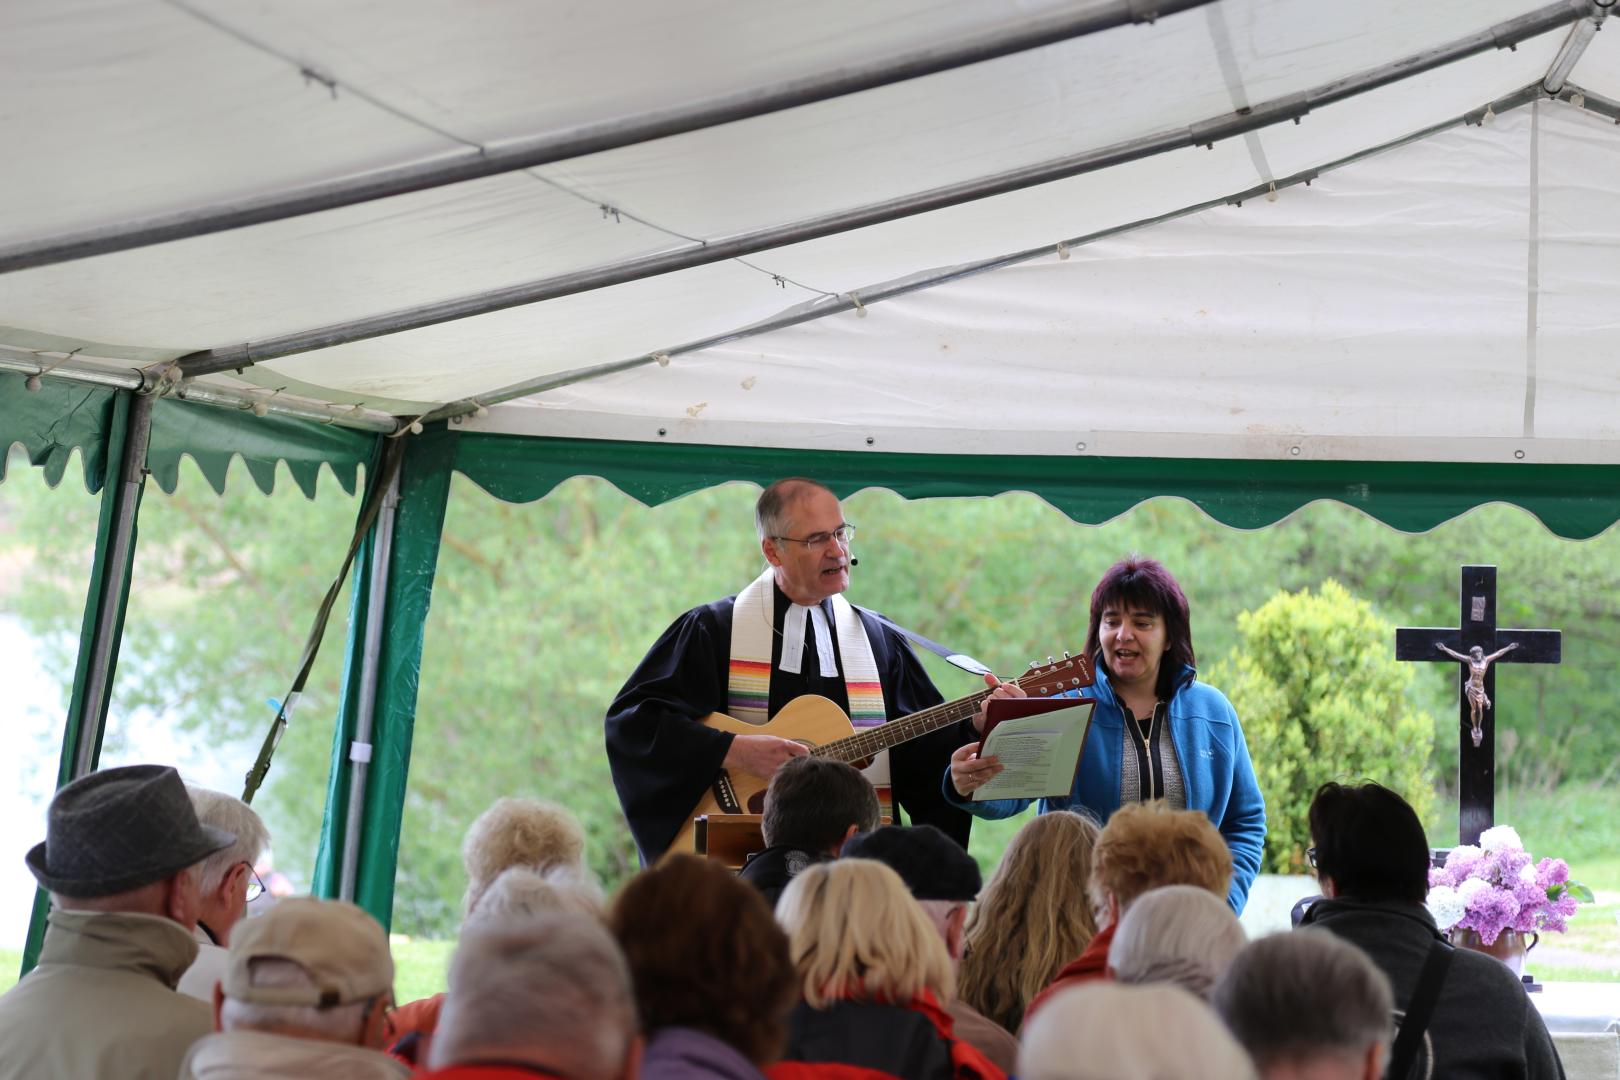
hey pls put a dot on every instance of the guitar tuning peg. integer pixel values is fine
(1034, 664)
(1051, 660)
(1066, 654)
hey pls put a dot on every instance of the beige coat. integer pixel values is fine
(101, 1004)
(255, 1055)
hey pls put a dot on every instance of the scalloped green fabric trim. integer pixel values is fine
(62, 417)
(1573, 501)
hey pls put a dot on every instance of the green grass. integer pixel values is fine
(420, 966)
(10, 963)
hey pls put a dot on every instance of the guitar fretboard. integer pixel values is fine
(873, 741)
(1056, 677)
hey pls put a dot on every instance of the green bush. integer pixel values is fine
(1315, 681)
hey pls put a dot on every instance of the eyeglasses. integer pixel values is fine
(841, 535)
(255, 887)
(1310, 857)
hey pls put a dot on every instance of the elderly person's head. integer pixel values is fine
(855, 933)
(816, 804)
(1369, 844)
(309, 968)
(1104, 1031)
(1308, 1006)
(1179, 934)
(519, 832)
(1033, 916)
(1148, 845)
(228, 874)
(519, 892)
(549, 993)
(943, 878)
(126, 840)
(706, 953)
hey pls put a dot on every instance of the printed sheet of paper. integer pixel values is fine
(1038, 741)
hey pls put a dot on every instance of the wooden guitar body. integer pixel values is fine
(812, 720)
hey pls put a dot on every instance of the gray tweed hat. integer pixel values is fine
(119, 829)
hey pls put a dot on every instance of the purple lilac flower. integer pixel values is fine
(1550, 872)
(1489, 913)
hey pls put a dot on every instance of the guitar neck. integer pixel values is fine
(1070, 673)
(874, 740)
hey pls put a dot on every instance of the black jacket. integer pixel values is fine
(1484, 1026)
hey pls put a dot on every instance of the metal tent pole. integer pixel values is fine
(360, 747)
(113, 590)
(1580, 36)
(591, 138)
(224, 397)
(1507, 34)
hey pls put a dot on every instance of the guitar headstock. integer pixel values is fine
(1056, 676)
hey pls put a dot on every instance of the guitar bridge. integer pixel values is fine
(725, 794)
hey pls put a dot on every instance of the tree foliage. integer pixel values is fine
(1323, 698)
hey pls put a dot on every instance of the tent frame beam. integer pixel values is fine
(873, 294)
(148, 382)
(1503, 35)
(1580, 36)
(588, 139)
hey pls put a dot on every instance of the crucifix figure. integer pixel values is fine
(1479, 702)
(1480, 645)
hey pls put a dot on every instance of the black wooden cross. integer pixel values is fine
(1476, 767)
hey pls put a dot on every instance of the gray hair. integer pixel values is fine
(774, 502)
(236, 817)
(338, 1023)
(554, 988)
(1105, 1031)
(1180, 934)
(1295, 997)
(522, 893)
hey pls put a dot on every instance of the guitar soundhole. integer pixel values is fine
(756, 803)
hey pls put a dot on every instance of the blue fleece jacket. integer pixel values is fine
(1215, 769)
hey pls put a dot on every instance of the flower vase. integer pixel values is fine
(1509, 947)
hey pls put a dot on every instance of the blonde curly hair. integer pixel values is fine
(1033, 916)
(519, 832)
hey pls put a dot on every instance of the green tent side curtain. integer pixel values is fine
(1573, 501)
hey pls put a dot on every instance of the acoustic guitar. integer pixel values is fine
(822, 726)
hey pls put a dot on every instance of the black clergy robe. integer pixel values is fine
(663, 761)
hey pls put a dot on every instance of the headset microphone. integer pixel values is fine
(854, 562)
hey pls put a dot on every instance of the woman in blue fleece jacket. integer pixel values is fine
(1156, 732)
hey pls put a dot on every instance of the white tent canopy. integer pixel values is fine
(1441, 291)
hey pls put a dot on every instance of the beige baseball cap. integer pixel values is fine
(341, 946)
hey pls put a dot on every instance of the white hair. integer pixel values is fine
(337, 1023)
(520, 892)
(1180, 934)
(552, 989)
(148, 899)
(236, 817)
(1105, 1031)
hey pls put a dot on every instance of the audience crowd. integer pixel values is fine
(845, 950)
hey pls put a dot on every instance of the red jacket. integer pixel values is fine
(1087, 967)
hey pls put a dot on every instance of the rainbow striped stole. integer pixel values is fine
(753, 618)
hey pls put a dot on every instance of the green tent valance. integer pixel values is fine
(1573, 501)
(212, 436)
(52, 422)
(61, 416)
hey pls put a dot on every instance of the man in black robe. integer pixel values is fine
(663, 760)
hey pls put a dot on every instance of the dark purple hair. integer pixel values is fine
(1144, 584)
